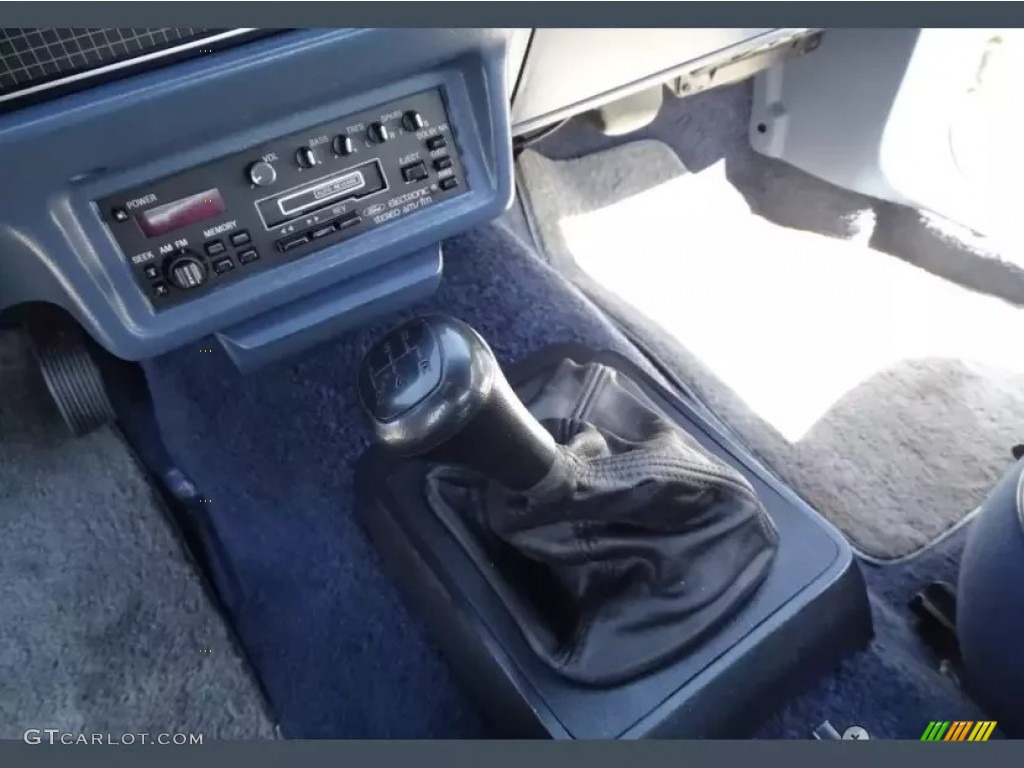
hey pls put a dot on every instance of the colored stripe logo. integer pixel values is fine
(958, 730)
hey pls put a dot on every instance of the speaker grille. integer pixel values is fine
(40, 59)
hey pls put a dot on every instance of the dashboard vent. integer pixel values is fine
(37, 63)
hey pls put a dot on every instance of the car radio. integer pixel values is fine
(189, 233)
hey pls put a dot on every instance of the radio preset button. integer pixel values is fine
(240, 238)
(412, 121)
(215, 248)
(262, 174)
(223, 265)
(246, 257)
(378, 133)
(306, 157)
(343, 145)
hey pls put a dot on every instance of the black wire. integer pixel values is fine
(519, 143)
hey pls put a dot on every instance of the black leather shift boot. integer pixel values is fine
(636, 546)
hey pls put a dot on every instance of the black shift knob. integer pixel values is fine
(432, 388)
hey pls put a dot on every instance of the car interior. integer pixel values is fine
(558, 383)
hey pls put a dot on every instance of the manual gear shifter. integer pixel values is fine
(433, 388)
(613, 539)
(627, 555)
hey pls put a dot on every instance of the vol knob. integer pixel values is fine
(186, 272)
(378, 133)
(262, 174)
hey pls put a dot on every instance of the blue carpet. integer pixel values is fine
(335, 649)
(894, 688)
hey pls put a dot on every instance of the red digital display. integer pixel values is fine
(188, 210)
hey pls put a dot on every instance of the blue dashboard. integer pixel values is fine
(82, 174)
(274, 187)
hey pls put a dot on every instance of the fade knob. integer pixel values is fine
(412, 121)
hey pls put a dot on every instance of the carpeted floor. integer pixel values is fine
(334, 646)
(882, 393)
(894, 688)
(332, 642)
(712, 127)
(104, 625)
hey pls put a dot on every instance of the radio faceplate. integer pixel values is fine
(211, 225)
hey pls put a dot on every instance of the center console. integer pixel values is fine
(643, 578)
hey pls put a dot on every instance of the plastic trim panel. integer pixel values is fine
(60, 156)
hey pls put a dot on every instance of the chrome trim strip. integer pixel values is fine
(125, 63)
